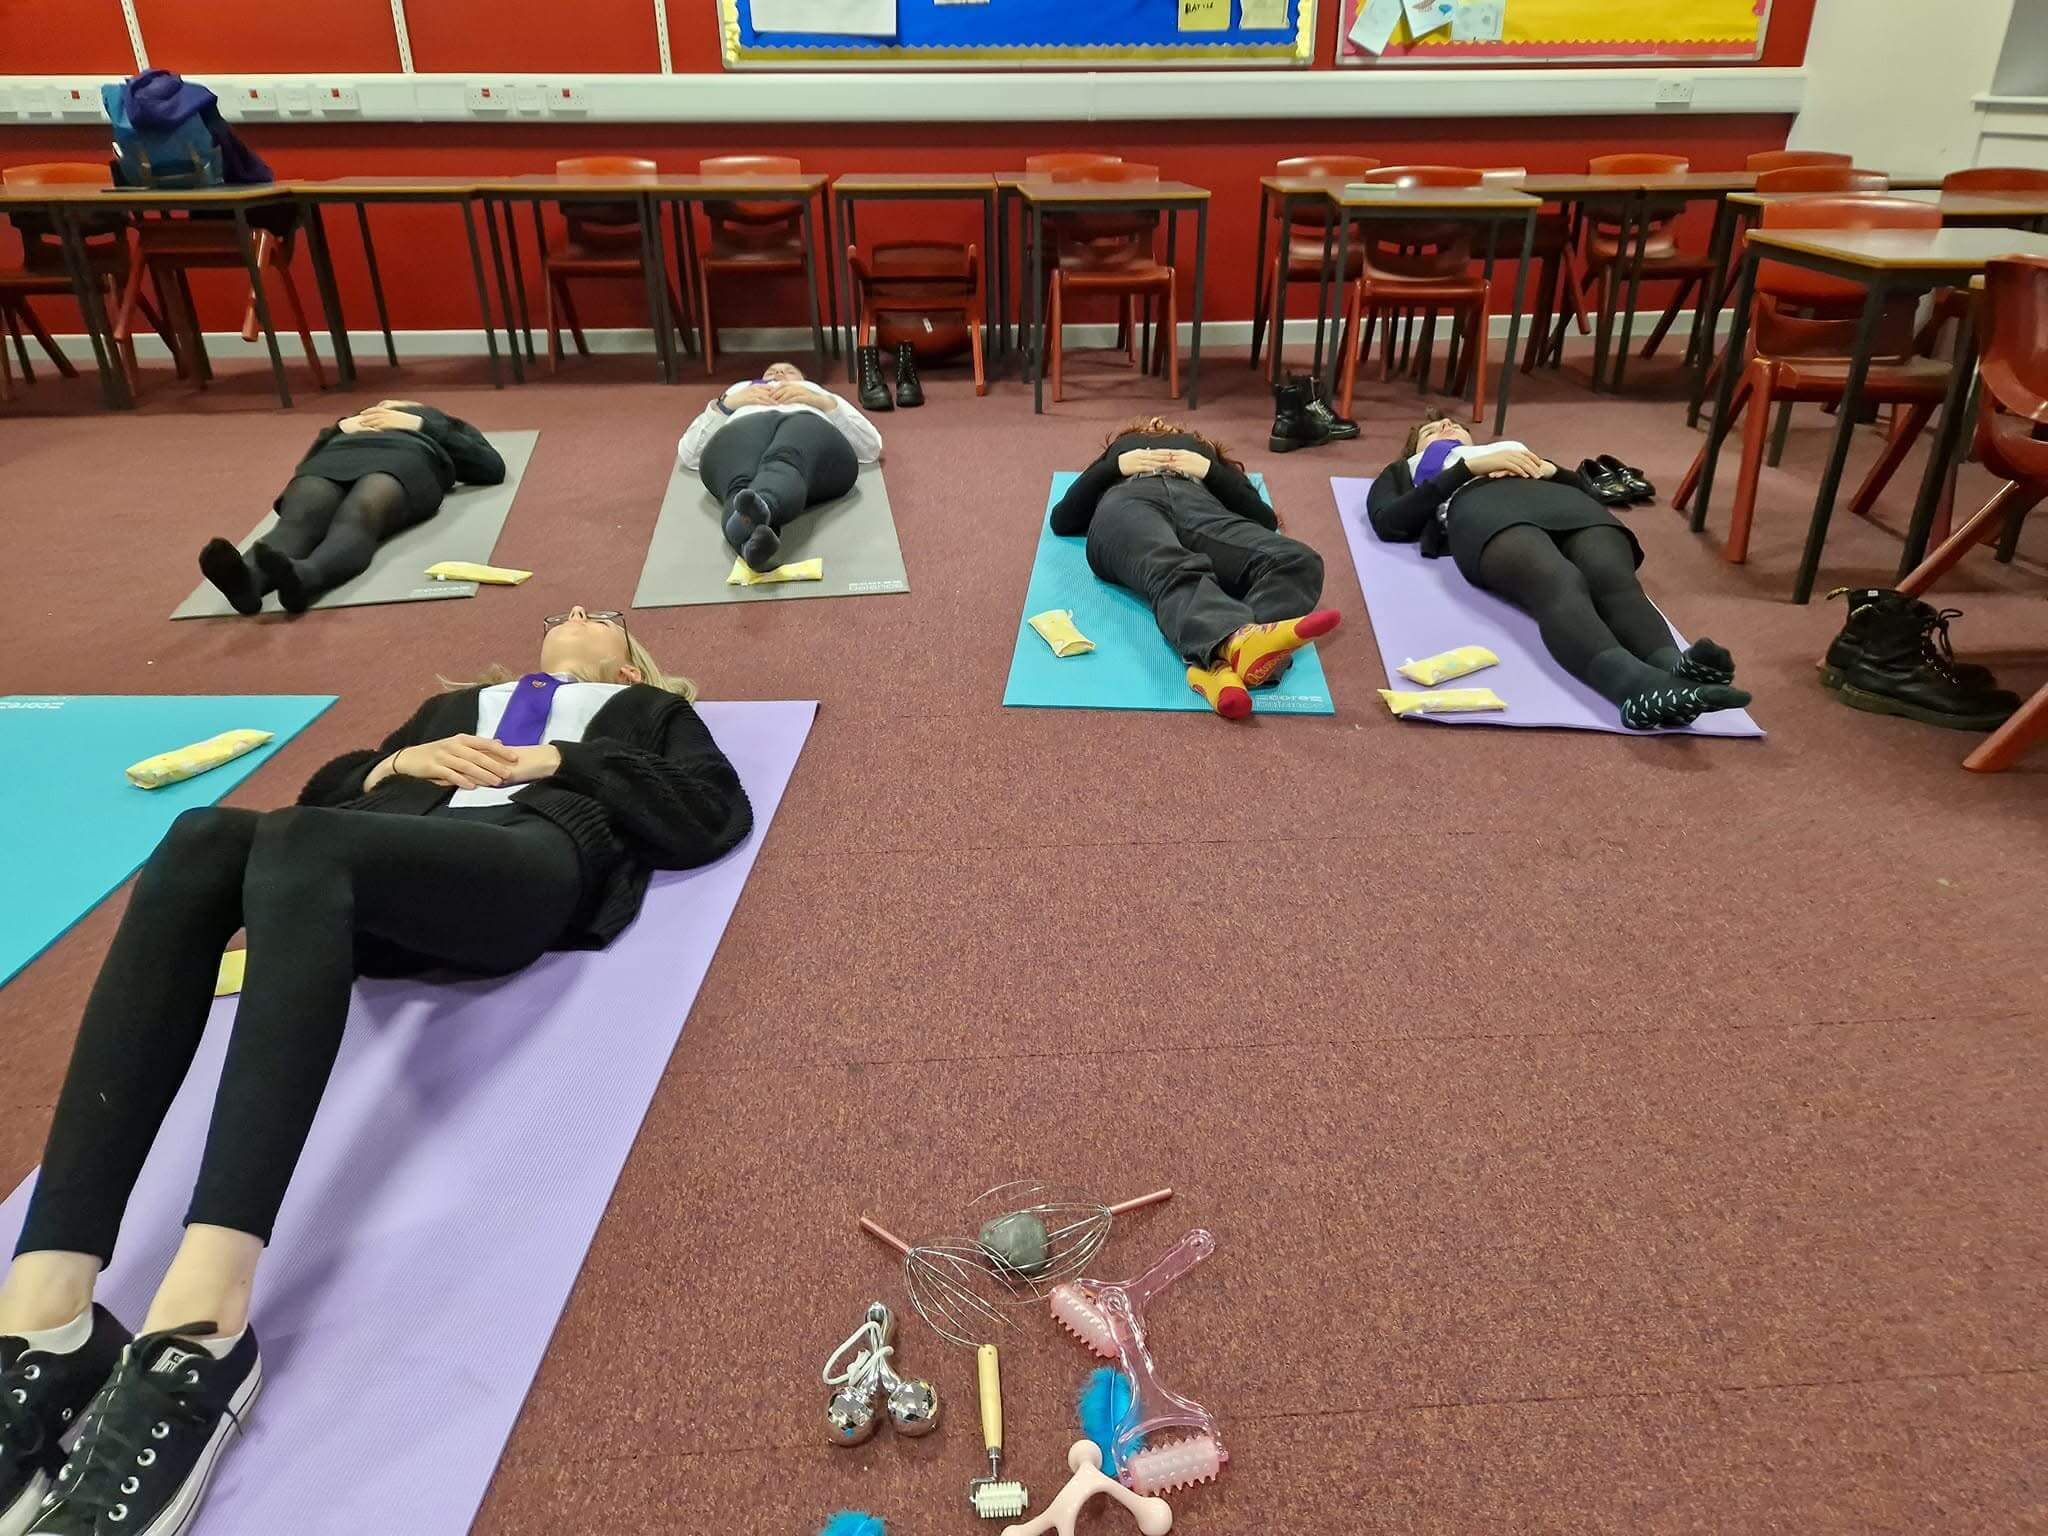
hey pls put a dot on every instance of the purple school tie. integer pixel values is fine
(526, 712)
(1433, 459)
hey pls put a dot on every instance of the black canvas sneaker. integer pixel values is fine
(42, 1396)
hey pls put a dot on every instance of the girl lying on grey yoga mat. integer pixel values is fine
(770, 447)
(1520, 527)
(367, 477)
(504, 819)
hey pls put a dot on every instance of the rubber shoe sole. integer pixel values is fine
(1881, 704)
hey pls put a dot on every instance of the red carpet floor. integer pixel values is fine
(1601, 1134)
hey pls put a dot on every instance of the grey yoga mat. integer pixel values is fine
(688, 558)
(466, 528)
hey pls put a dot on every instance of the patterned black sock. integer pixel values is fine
(1680, 704)
(1705, 662)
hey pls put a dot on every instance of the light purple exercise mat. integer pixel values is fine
(455, 1175)
(1423, 607)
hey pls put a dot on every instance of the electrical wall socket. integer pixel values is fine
(488, 96)
(295, 96)
(1674, 91)
(531, 98)
(256, 99)
(340, 98)
(77, 101)
(567, 98)
(8, 105)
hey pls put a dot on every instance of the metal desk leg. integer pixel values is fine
(988, 247)
(1845, 428)
(1034, 340)
(841, 264)
(519, 272)
(248, 245)
(1713, 294)
(1507, 366)
(811, 284)
(654, 275)
(1724, 396)
(1941, 453)
(1476, 347)
(690, 275)
(1195, 333)
(85, 287)
(686, 291)
(1172, 264)
(999, 266)
(1324, 283)
(540, 244)
(1259, 295)
(376, 282)
(483, 291)
(330, 295)
(831, 292)
(504, 292)
(1610, 288)
(1635, 289)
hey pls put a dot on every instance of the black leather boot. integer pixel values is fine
(874, 394)
(908, 390)
(1341, 428)
(1293, 426)
(1871, 605)
(1903, 670)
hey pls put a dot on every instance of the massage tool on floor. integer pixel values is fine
(994, 1497)
(850, 1415)
(953, 1285)
(1154, 1517)
(1165, 1441)
(1074, 1306)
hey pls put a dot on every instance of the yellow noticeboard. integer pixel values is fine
(1205, 15)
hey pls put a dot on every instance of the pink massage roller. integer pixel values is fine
(1074, 1305)
(1165, 1441)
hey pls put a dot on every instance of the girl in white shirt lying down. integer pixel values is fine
(770, 447)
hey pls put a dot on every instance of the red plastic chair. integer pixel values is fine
(920, 277)
(1805, 356)
(1996, 178)
(1067, 160)
(1113, 255)
(42, 272)
(1834, 179)
(1420, 266)
(2012, 442)
(1298, 254)
(1780, 159)
(1663, 261)
(754, 239)
(602, 241)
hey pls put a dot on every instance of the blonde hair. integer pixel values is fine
(637, 657)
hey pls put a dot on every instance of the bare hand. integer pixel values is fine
(531, 763)
(460, 762)
(1187, 462)
(1142, 461)
(1518, 463)
(800, 394)
(754, 394)
(381, 419)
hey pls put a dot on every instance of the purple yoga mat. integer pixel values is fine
(1424, 607)
(460, 1162)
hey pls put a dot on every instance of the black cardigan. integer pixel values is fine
(1073, 512)
(647, 788)
(1403, 512)
(427, 463)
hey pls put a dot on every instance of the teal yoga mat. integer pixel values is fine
(71, 825)
(1131, 666)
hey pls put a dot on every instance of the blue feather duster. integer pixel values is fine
(854, 1522)
(1105, 1406)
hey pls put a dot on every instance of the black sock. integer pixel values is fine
(763, 545)
(222, 564)
(283, 573)
(1677, 704)
(1705, 662)
(1617, 675)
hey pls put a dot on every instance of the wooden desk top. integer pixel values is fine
(915, 181)
(397, 186)
(1904, 250)
(1038, 189)
(542, 184)
(1685, 184)
(139, 197)
(1357, 198)
(1953, 205)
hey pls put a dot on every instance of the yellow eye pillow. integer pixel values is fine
(469, 570)
(1056, 628)
(744, 575)
(1442, 701)
(186, 762)
(1432, 670)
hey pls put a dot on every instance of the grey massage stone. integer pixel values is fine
(1018, 1240)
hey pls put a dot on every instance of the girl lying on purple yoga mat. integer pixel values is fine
(1520, 527)
(503, 820)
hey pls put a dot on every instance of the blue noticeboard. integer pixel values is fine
(1035, 32)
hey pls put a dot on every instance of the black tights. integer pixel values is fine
(330, 531)
(323, 893)
(796, 459)
(1581, 588)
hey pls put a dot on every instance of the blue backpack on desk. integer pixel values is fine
(179, 155)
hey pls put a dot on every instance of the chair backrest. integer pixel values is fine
(1113, 170)
(1996, 178)
(1426, 176)
(1780, 159)
(2014, 327)
(1325, 165)
(757, 216)
(1066, 160)
(603, 226)
(56, 173)
(1822, 178)
(1504, 175)
(1638, 165)
(1797, 286)
(605, 165)
(936, 269)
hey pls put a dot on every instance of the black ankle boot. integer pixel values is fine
(1902, 669)
(1293, 426)
(1341, 428)
(908, 390)
(874, 394)
(1870, 606)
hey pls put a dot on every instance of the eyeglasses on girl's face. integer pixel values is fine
(611, 616)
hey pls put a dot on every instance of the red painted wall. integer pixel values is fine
(424, 259)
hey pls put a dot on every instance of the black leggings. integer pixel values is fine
(1581, 588)
(322, 893)
(794, 458)
(331, 530)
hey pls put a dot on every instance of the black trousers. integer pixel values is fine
(323, 894)
(331, 530)
(794, 458)
(1206, 571)
(1581, 588)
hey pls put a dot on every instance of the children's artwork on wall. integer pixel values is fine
(1549, 31)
